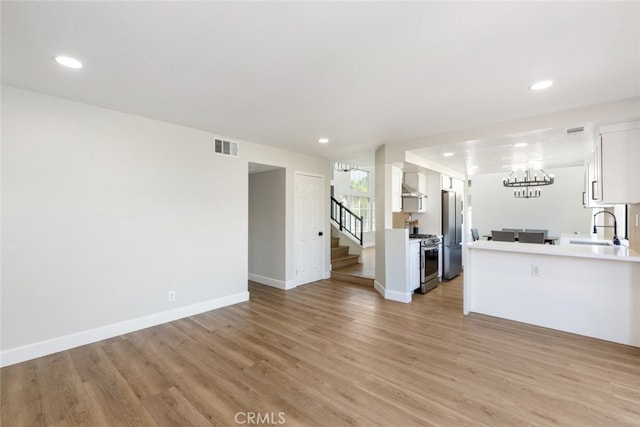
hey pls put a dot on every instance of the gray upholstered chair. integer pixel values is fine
(531, 237)
(535, 230)
(503, 236)
(515, 230)
(474, 234)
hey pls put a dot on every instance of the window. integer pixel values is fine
(360, 206)
(360, 181)
(352, 190)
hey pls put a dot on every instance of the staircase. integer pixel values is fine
(345, 267)
(340, 257)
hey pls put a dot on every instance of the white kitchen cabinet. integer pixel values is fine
(449, 183)
(414, 265)
(414, 204)
(588, 200)
(587, 191)
(458, 186)
(418, 182)
(616, 173)
(396, 189)
(446, 182)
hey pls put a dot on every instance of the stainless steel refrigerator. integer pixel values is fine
(451, 235)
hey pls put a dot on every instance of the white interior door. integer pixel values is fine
(309, 228)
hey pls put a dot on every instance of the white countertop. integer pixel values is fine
(618, 253)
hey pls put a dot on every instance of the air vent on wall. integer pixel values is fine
(226, 148)
(573, 131)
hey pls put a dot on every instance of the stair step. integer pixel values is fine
(335, 242)
(339, 252)
(344, 261)
(348, 278)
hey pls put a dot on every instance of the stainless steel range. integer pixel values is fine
(429, 261)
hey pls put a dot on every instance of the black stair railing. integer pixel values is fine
(346, 220)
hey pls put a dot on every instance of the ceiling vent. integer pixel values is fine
(226, 148)
(575, 131)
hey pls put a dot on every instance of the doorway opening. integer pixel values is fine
(267, 225)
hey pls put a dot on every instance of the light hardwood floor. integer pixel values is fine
(331, 354)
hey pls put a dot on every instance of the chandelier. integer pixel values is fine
(527, 186)
(344, 167)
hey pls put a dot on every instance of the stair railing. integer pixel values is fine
(346, 220)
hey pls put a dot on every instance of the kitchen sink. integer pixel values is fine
(588, 242)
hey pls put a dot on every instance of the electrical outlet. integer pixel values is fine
(171, 296)
(535, 270)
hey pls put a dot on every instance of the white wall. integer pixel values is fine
(383, 215)
(293, 162)
(267, 227)
(104, 212)
(392, 262)
(559, 208)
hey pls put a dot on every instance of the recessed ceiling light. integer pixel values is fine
(544, 84)
(520, 144)
(323, 140)
(448, 154)
(68, 62)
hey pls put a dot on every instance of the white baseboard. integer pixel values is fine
(274, 283)
(378, 287)
(397, 296)
(66, 342)
(391, 295)
(290, 285)
(264, 280)
(327, 274)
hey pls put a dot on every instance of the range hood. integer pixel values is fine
(408, 191)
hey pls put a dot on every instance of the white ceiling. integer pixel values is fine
(550, 148)
(362, 74)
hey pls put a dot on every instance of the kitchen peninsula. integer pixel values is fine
(586, 289)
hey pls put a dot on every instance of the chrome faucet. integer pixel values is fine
(616, 241)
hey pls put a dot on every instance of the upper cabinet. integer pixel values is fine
(396, 189)
(615, 165)
(418, 183)
(587, 193)
(449, 183)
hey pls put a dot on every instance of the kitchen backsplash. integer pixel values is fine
(400, 219)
